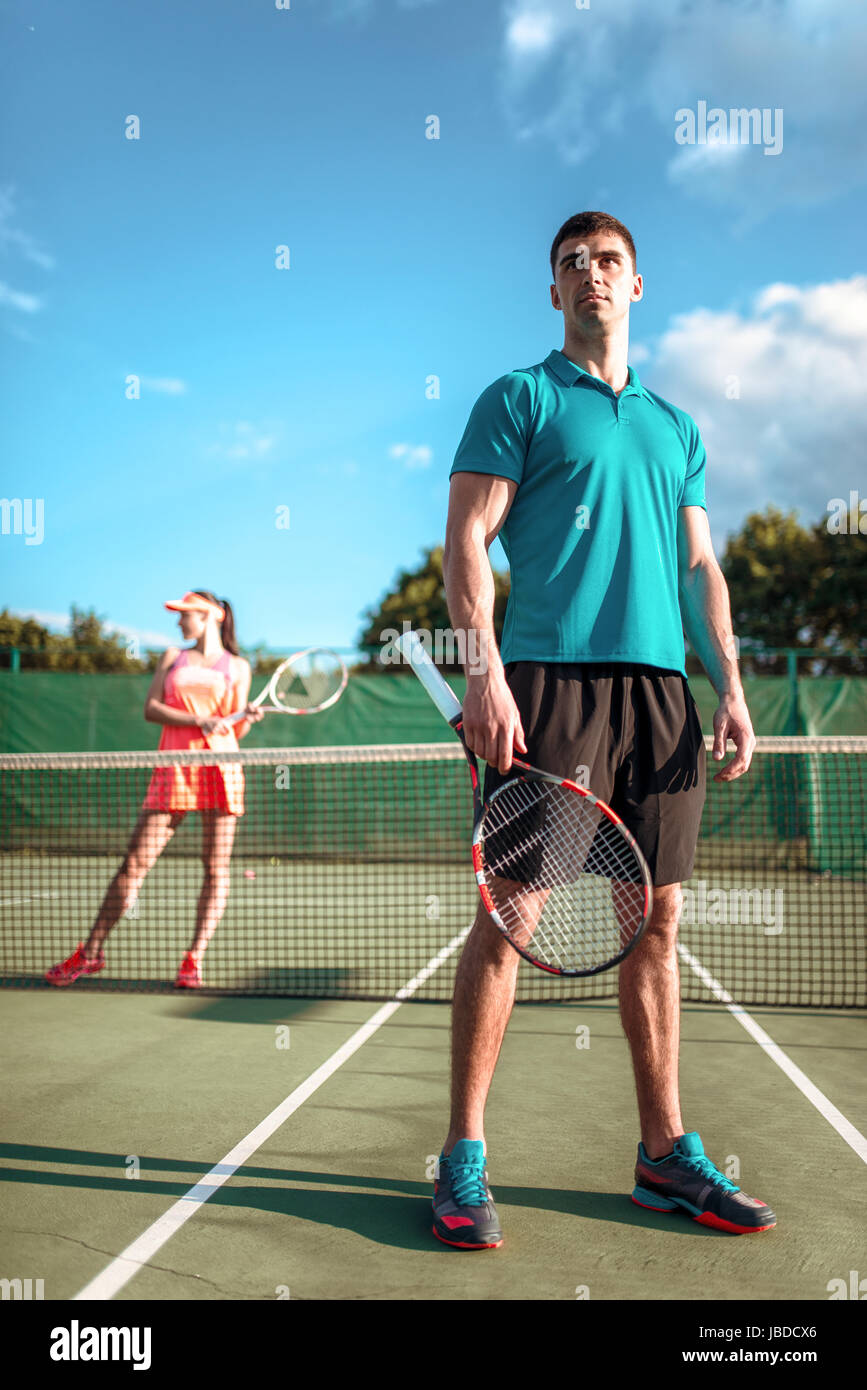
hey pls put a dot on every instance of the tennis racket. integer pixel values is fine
(306, 683)
(558, 872)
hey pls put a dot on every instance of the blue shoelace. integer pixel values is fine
(468, 1184)
(706, 1169)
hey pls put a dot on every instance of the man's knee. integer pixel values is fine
(667, 907)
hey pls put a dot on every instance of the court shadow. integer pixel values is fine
(396, 1213)
(320, 982)
(244, 1009)
(143, 984)
(614, 1208)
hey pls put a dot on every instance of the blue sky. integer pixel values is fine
(305, 388)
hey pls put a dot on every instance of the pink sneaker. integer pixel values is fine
(75, 965)
(189, 975)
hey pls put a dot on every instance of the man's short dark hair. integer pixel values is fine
(584, 224)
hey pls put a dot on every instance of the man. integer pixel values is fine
(596, 486)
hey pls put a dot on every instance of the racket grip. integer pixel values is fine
(445, 699)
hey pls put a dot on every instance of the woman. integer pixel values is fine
(192, 692)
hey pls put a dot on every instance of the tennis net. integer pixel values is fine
(349, 875)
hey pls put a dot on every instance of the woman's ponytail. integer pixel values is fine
(227, 626)
(227, 631)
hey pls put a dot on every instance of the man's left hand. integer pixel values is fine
(732, 721)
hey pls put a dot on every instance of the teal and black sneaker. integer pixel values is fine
(688, 1180)
(463, 1204)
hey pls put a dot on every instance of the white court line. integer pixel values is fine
(854, 1138)
(135, 1256)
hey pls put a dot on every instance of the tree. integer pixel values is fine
(85, 648)
(418, 597)
(798, 587)
(835, 612)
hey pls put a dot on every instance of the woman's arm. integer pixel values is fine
(242, 693)
(155, 712)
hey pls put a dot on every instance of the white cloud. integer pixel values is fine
(794, 435)
(412, 455)
(713, 159)
(11, 236)
(17, 243)
(242, 441)
(776, 294)
(59, 624)
(571, 77)
(17, 331)
(53, 621)
(346, 468)
(168, 386)
(145, 637)
(27, 303)
(530, 31)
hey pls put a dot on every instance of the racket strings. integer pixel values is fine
(564, 879)
(309, 681)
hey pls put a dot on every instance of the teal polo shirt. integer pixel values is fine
(591, 536)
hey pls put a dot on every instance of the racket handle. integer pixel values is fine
(445, 699)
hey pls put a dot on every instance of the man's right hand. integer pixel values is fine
(492, 724)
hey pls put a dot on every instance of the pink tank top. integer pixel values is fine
(204, 691)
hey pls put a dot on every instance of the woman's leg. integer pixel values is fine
(218, 834)
(152, 833)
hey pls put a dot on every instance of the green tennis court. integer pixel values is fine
(122, 1104)
(274, 1135)
(281, 935)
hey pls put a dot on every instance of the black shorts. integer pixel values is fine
(629, 733)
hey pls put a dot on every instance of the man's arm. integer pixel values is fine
(478, 505)
(707, 622)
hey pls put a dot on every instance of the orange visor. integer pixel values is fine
(194, 603)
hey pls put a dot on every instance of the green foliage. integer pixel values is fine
(795, 587)
(262, 662)
(418, 597)
(835, 613)
(85, 648)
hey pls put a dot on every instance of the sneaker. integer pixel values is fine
(189, 975)
(463, 1204)
(686, 1178)
(74, 965)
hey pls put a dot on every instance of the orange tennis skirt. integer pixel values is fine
(197, 788)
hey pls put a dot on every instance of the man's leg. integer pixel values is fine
(650, 1014)
(483, 999)
(650, 1011)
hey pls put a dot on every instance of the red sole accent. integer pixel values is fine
(717, 1223)
(464, 1245)
(707, 1218)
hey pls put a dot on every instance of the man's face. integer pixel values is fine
(595, 283)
